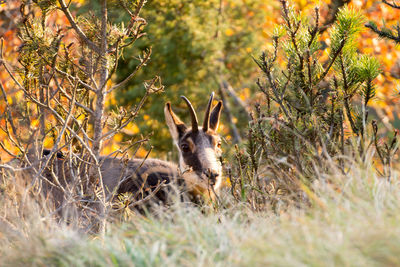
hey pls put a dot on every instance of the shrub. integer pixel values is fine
(316, 110)
(64, 73)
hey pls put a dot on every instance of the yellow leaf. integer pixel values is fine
(245, 93)
(118, 137)
(19, 95)
(34, 123)
(78, 2)
(302, 4)
(141, 153)
(114, 147)
(48, 143)
(229, 32)
(131, 129)
(265, 34)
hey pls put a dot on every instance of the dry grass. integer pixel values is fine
(353, 220)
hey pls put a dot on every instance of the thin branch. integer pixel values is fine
(131, 118)
(333, 59)
(393, 4)
(385, 33)
(235, 132)
(138, 67)
(9, 115)
(77, 29)
(231, 92)
(62, 121)
(88, 110)
(60, 135)
(75, 78)
(334, 8)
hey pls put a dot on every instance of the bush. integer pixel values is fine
(316, 110)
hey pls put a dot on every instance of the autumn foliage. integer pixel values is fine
(386, 52)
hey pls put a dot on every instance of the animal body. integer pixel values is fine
(199, 172)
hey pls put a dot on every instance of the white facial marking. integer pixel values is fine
(206, 154)
(209, 160)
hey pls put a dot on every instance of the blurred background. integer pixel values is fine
(204, 46)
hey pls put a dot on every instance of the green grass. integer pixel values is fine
(353, 220)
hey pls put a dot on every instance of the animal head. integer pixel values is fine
(199, 147)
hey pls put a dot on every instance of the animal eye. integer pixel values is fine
(219, 144)
(185, 148)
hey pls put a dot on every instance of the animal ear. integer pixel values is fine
(214, 117)
(175, 125)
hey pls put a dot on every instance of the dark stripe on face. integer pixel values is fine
(200, 141)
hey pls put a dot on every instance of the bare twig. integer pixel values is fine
(142, 63)
(77, 29)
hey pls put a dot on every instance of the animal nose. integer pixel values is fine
(212, 175)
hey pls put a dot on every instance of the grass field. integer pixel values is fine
(352, 220)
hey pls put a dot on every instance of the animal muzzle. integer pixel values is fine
(212, 175)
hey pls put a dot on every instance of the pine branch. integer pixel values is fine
(334, 8)
(385, 32)
(77, 29)
(368, 92)
(334, 57)
(393, 5)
